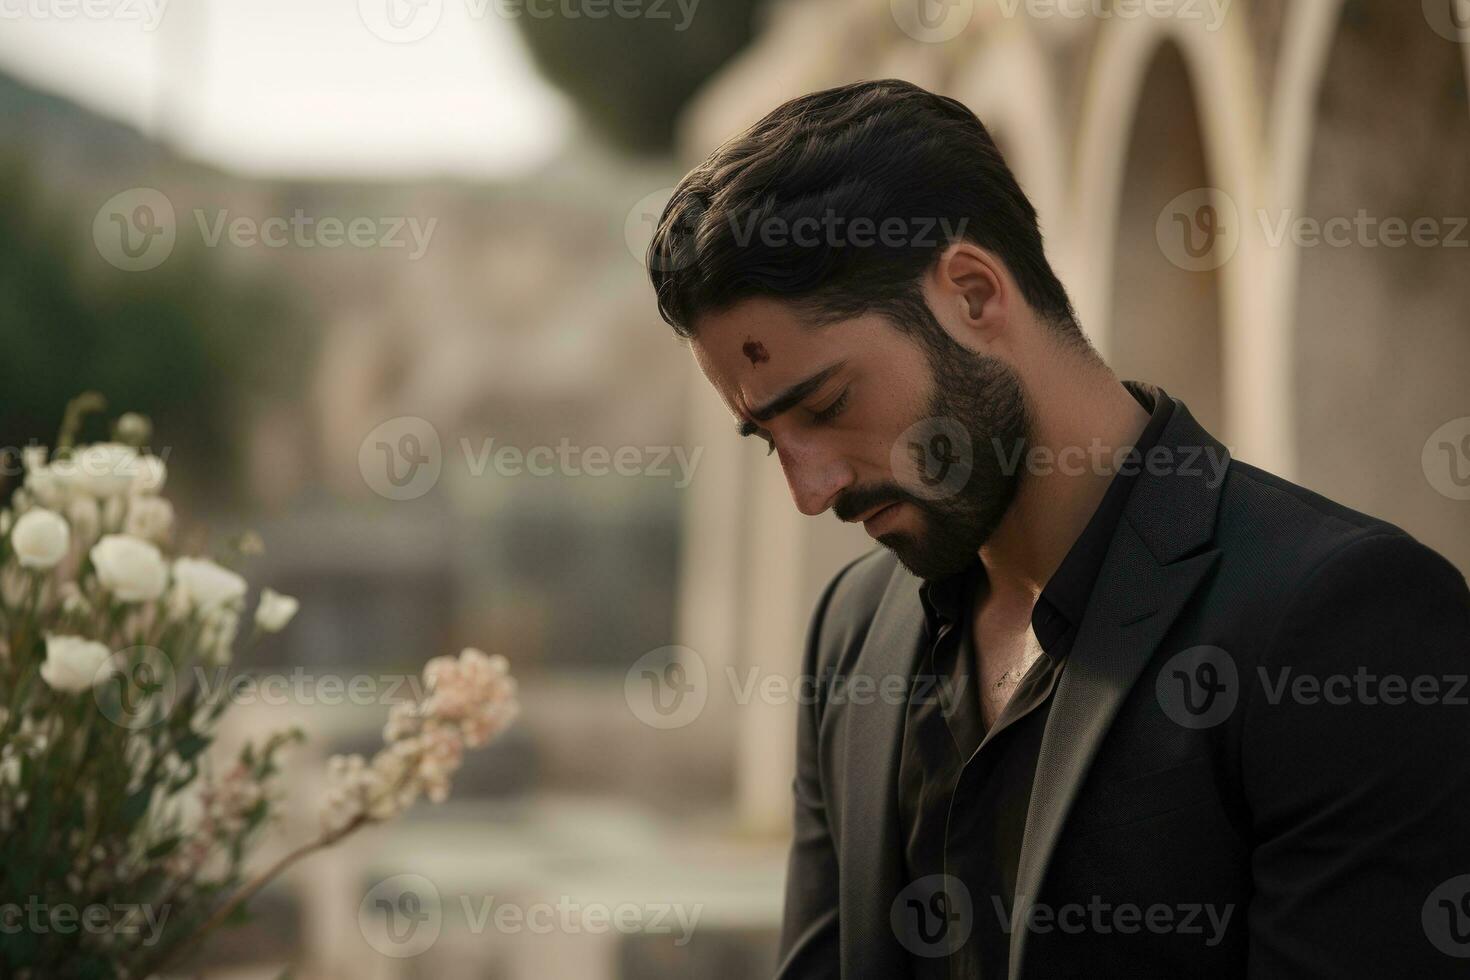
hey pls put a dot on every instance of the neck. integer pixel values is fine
(1080, 414)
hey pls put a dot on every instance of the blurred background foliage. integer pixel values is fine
(183, 344)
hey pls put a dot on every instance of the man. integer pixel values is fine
(1158, 713)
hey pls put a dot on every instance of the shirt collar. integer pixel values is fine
(1067, 591)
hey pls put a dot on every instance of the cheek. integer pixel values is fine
(879, 443)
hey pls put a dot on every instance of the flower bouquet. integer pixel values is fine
(123, 840)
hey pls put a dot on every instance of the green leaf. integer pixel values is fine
(135, 806)
(163, 847)
(191, 745)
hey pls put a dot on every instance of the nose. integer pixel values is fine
(815, 478)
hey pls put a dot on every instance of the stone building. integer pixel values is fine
(1299, 144)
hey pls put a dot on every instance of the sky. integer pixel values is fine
(281, 88)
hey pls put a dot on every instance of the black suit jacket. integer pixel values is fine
(1333, 830)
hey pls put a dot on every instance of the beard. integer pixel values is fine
(976, 400)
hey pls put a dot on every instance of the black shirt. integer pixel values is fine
(963, 791)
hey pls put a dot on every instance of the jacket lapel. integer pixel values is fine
(1154, 564)
(871, 844)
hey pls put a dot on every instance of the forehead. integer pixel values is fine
(758, 320)
(761, 345)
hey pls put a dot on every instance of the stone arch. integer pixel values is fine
(1220, 69)
(1381, 330)
(1306, 43)
(1164, 315)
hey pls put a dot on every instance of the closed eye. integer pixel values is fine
(833, 410)
(838, 406)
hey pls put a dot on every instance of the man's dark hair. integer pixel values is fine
(795, 208)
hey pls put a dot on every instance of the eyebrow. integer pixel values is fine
(788, 399)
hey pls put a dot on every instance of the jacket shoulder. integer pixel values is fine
(1286, 532)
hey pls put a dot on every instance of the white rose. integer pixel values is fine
(85, 519)
(130, 568)
(150, 518)
(73, 601)
(152, 474)
(205, 584)
(102, 469)
(40, 538)
(218, 635)
(47, 487)
(275, 610)
(74, 664)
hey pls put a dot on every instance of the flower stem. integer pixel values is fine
(249, 890)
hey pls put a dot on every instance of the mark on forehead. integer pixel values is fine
(756, 351)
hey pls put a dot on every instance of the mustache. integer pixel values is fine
(853, 503)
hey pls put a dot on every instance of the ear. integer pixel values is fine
(970, 294)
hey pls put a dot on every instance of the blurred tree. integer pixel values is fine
(630, 76)
(181, 343)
